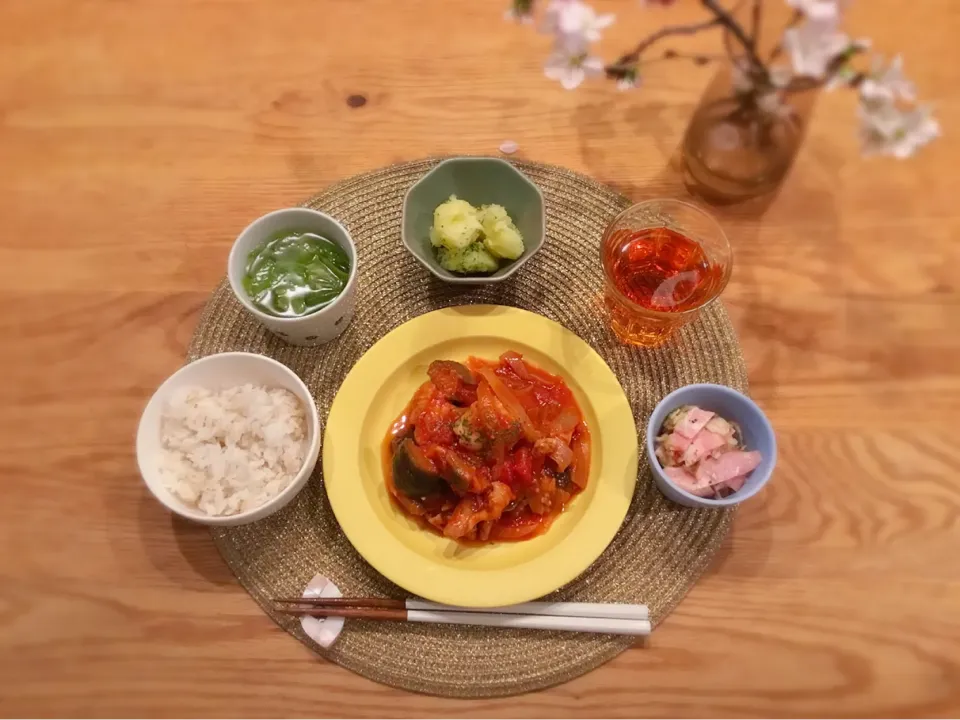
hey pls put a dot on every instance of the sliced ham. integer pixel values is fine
(702, 453)
(677, 442)
(670, 448)
(702, 445)
(720, 426)
(685, 481)
(693, 422)
(727, 467)
(736, 483)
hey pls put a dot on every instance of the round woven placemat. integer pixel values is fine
(661, 548)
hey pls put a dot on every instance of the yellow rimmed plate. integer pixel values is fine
(374, 394)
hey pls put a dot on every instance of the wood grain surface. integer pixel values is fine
(137, 137)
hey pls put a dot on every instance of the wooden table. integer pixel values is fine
(137, 138)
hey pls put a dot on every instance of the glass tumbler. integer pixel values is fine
(663, 261)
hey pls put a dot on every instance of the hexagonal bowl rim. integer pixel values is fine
(446, 276)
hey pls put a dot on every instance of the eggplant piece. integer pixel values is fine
(400, 433)
(563, 479)
(454, 380)
(442, 366)
(414, 474)
(459, 472)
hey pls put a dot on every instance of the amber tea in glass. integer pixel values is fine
(663, 260)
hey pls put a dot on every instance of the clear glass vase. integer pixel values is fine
(733, 150)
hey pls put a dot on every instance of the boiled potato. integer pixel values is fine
(456, 224)
(500, 236)
(470, 260)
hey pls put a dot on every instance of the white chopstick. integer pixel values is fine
(612, 626)
(608, 611)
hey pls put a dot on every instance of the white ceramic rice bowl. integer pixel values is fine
(216, 372)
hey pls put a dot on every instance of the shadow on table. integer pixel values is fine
(745, 550)
(181, 550)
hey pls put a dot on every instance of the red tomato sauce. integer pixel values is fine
(487, 450)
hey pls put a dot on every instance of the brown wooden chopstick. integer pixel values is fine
(349, 612)
(383, 603)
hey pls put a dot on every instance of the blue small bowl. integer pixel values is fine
(730, 405)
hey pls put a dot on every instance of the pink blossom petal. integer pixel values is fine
(604, 21)
(508, 147)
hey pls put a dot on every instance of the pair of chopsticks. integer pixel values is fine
(609, 618)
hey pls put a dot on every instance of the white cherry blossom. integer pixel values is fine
(820, 10)
(813, 46)
(572, 68)
(886, 129)
(550, 22)
(887, 83)
(574, 23)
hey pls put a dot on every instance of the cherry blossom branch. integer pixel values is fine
(820, 54)
(697, 58)
(626, 64)
(756, 22)
(728, 47)
(725, 19)
(804, 84)
(778, 48)
(633, 56)
(617, 70)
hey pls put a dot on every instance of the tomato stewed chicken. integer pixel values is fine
(488, 450)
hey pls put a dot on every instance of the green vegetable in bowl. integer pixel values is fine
(295, 273)
(471, 241)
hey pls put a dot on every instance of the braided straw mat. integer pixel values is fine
(661, 548)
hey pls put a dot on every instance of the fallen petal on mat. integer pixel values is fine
(323, 631)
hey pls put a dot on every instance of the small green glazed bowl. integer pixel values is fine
(479, 181)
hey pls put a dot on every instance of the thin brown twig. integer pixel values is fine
(696, 58)
(778, 48)
(727, 45)
(634, 55)
(756, 22)
(725, 19)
